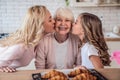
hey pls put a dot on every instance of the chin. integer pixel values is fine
(63, 32)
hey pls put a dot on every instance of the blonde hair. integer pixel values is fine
(64, 12)
(32, 29)
(93, 33)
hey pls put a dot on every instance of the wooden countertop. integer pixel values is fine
(112, 39)
(110, 73)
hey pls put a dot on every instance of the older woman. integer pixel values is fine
(59, 50)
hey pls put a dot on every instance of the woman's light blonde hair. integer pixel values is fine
(32, 28)
(94, 35)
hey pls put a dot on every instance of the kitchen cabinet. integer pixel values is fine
(92, 3)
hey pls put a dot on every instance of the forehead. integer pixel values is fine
(78, 18)
(61, 17)
(64, 18)
(48, 14)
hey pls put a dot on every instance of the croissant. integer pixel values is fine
(53, 73)
(58, 77)
(84, 76)
(49, 74)
(76, 72)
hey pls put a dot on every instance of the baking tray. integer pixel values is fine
(97, 74)
(37, 76)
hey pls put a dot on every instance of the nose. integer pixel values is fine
(63, 23)
(53, 21)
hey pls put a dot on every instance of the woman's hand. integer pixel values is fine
(7, 69)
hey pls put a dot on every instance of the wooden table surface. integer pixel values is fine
(109, 73)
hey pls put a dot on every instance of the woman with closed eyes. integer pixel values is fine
(18, 49)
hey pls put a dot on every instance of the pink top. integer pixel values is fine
(116, 56)
(45, 56)
(16, 56)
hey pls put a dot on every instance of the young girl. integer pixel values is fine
(18, 49)
(94, 50)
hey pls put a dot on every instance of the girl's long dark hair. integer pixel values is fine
(93, 33)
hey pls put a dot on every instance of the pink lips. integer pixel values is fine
(116, 56)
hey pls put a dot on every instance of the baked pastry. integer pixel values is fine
(84, 76)
(53, 73)
(77, 71)
(58, 77)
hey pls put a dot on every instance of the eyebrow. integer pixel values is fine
(60, 18)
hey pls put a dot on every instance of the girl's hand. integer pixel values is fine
(7, 69)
